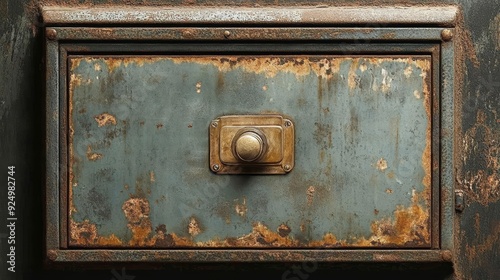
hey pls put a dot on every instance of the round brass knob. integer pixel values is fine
(249, 145)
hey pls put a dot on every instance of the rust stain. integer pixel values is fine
(136, 211)
(284, 230)
(92, 156)
(310, 195)
(425, 66)
(85, 233)
(194, 227)
(465, 47)
(105, 119)
(352, 78)
(270, 66)
(241, 209)
(409, 226)
(381, 164)
(482, 185)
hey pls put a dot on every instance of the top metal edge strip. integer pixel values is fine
(374, 16)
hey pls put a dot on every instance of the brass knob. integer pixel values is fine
(249, 145)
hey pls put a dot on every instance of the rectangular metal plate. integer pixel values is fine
(139, 152)
(128, 114)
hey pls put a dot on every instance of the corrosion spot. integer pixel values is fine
(105, 119)
(310, 194)
(264, 87)
(417, 95)
(159, 125)
(381, 164)
(375, 211)
(194, 227)
(136, 211)
(284, 230)
(389, 191)
(92, 156)
(190, 125)
(409, 226)
(85, 233)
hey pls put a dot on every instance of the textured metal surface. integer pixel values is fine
(139, 148)
(472, 117)
(444, 15)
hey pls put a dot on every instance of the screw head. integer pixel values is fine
(51, 34)
(215, 124)
(227, 33)
(287, 167)
(215, 167)
(446, 34)
(288, 123)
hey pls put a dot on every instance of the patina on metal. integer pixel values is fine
(354, 84)
(252, 144)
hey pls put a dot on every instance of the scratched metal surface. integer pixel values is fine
(139, 152)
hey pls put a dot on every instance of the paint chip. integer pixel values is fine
(381, 164)
(105, 119)
(198, 87)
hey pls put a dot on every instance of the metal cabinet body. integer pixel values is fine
(388, 166)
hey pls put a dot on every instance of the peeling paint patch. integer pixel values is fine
(482, 184)
(417, 94)
(386, 81)
(408, 71)
(241, 208)
(381, 164)
(136, 211)
(92, 156)
(310, 195)
(270, 66)
(152, 177)
(198, 87)
(85, 233)
(105, 119)
(193, 227)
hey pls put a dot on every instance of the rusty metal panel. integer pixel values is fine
(133, 109)
(139, 150)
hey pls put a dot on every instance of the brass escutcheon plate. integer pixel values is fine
(274, 133)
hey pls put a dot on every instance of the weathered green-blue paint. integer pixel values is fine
(361, 135)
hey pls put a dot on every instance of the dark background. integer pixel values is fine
(477, 235)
